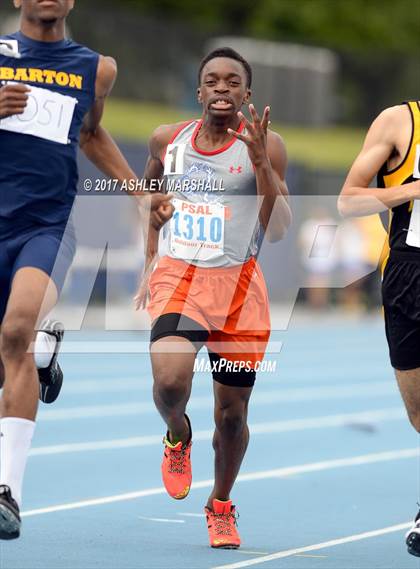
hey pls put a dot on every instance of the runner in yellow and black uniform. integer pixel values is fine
(392, 152)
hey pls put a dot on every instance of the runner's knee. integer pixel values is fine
(170, 386)
(408, 382)
(16, 334)
(231, 419)
(414, 417)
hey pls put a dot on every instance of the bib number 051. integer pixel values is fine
(47, 115)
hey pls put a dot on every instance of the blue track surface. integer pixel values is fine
(332, 397)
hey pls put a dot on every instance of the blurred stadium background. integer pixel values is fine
(326, 67)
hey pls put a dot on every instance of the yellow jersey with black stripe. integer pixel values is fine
(404, 173)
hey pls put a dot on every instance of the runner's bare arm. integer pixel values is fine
(153, 171)
(100, 148)
(95, 141)
(268, 155)
(277, 213)
(356, 197)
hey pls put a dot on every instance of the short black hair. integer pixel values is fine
(231, 54)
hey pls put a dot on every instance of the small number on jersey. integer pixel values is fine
(174, 160)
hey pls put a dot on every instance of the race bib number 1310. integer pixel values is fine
(197, 230)
(48, 115)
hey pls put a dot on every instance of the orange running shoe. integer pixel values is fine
(176, 467)
(221, 523)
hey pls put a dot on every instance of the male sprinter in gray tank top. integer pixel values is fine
(227, 175)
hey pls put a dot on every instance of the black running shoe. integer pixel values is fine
(412, 538)
(9, 515)
(51, 377)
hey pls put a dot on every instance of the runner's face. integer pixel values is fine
(44, 10)
(223, 88)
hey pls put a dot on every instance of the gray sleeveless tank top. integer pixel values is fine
(215, 223)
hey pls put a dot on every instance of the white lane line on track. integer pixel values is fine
(250, 477)
(117, 385)
(162, 520)
(322, 392)
(246, 552)
(312, 556)
(327, 421)
(141, 384)
(316, 546)
(135, 347)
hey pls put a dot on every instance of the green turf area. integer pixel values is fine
(332, 147)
